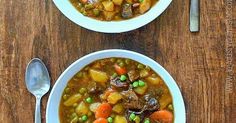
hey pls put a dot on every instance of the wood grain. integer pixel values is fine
(36, 28)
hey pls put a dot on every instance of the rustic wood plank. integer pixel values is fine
(33, 28)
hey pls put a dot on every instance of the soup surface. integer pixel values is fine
(116, 90)
(111, 10)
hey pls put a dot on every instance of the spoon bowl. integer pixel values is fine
(37, 82)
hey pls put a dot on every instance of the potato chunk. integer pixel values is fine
(82, 109)
(154, 80)
(120, 119)
(109, 15)
(141, 90)
(114, 97)
(98, 76)
(118, 108)
(108, 5)
(117, 2)
(73, 99)
(144, 6)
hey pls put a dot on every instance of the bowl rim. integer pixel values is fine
(52, 108)
(112, 26)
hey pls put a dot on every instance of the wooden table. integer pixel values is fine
(197, 61)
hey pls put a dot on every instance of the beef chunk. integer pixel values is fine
(133, 75)
(116, 82)
(131, 100)
(127, 11)
(94, 88)
(151, 103)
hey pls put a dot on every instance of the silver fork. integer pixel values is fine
(194, 16)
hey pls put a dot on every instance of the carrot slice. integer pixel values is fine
(103, 111)
(84, 1)
(120, 70)
(162, 116)
(100, 120)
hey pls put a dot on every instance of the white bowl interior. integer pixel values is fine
(52, 113)
(114, 26)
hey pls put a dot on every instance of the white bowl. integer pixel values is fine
(114, 26)
(52, 113)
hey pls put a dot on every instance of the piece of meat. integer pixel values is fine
(131, 100)
(94, 88)
(151, 103)
(133, 75)
(127, 11)
(116, 82)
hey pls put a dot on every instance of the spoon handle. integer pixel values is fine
(194, 16)
(37, 110)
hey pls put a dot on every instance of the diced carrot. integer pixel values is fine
(103, 111)
(100, 120)
(84, 1)
(162, 116)
(120, 70)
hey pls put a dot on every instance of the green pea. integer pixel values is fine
(82, 90)
(79, 74)
(67, 90)
(127, 61)
(65, 96)
(147, 120)
(123, 77)
(88, 6)
(147, 68)
(137, 119)
(119, 61)
(135, 84)
(121, 64)
(132, 116)
(83, 11)
(89, 100)
(140, 66)
(73, 115)
(109, 119)
(114, 75)
(96, 12)
(170, 107)
(113, 59)
(141, 83)
(84, 117)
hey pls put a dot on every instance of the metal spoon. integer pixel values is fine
(38, 83)
(194, 16)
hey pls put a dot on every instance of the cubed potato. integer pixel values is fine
(144, 6)
(109, 15)
(141, 90)
(108, 5)
(117, 2)
(153, 80)
(144, 73)
(118, 108)
(82, 109)
(165, 100)
(114, 97)
(120, 119)
(98, 76)
(129, 1)
(93, 107)
(73, 99)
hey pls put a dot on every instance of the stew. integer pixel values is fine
(112, 10)
(116, 90)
